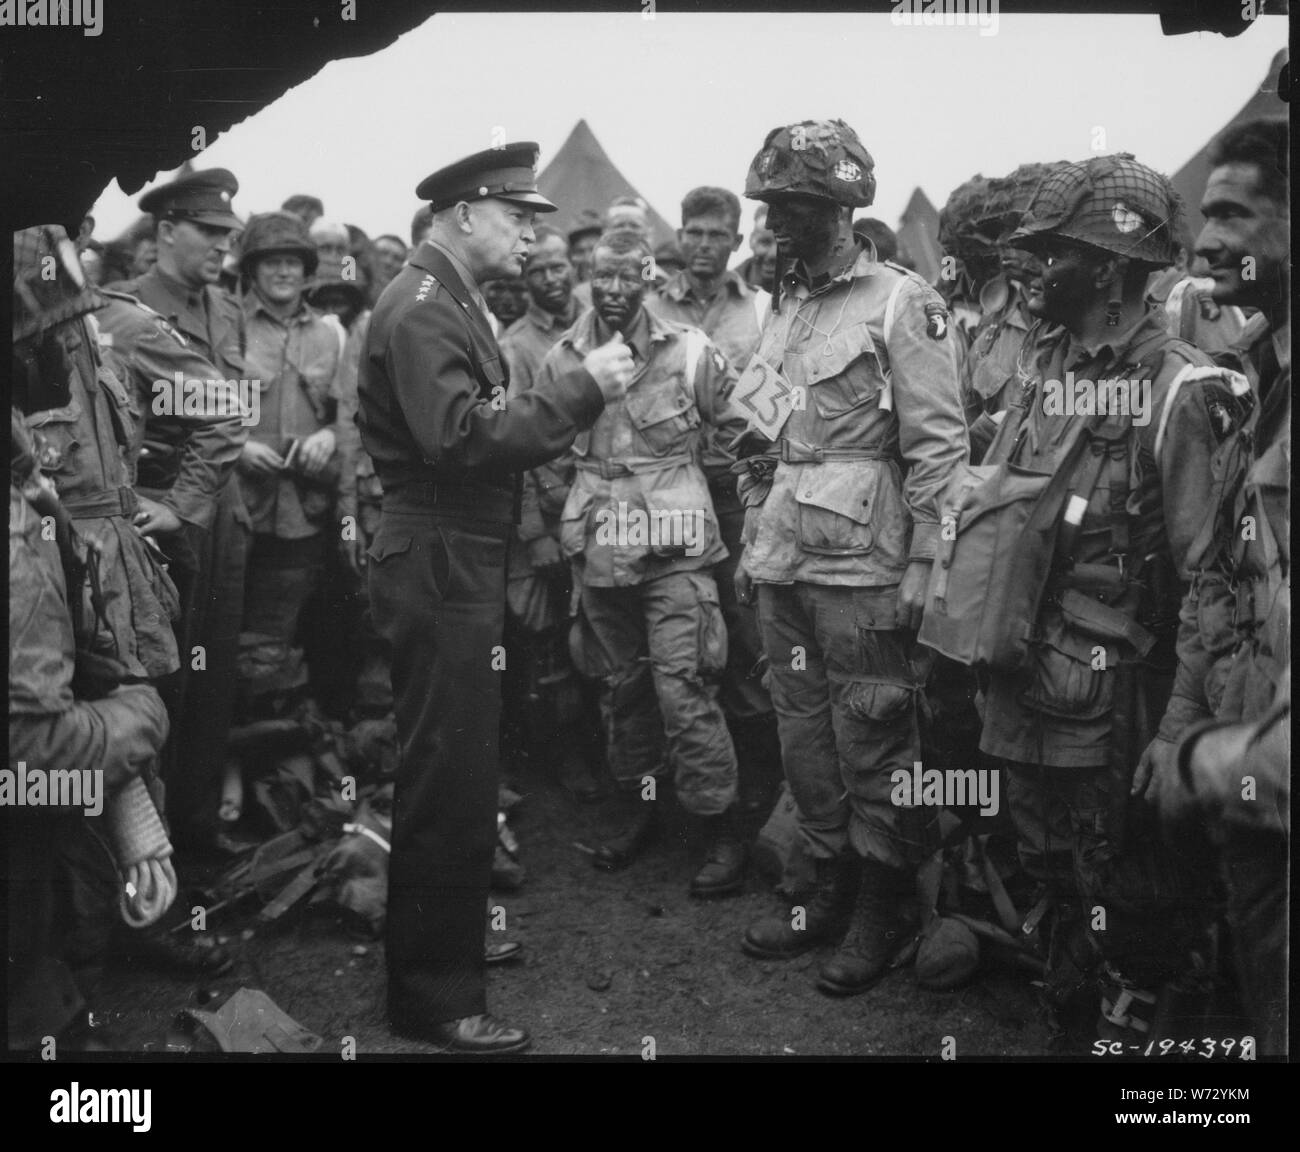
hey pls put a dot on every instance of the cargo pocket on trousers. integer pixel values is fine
(880, 701)
(574, 521)
(1064, 679)
(712, 630)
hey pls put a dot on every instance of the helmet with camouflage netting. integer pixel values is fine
(1108, 202)
(959, 219)
(1010, 195)
(822, 158)
(49, 285)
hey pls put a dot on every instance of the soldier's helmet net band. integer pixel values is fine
(1109, 202)
(822, 158)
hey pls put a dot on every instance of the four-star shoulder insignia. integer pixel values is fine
(425, 285)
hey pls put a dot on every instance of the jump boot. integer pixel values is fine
(822, 920)
(723, 873)
(643, 827)
(876, 933)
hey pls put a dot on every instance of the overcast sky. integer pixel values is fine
(684, 100)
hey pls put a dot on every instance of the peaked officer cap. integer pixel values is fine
(507, 173)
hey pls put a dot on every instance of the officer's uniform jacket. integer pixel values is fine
(182, 457)
(212, 320)
(643, 455)
(208, 317)
(296, 369)
(1059, 711)
(527, 341)
(369, 494)
(433, 410)
(85, 449)
(866, 458)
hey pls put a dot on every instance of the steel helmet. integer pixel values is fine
(822, 158)
(1109, 202)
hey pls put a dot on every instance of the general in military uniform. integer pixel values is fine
(448, 446)
(841, 530)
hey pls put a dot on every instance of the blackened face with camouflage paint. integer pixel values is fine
(618, 286)
(805, 227)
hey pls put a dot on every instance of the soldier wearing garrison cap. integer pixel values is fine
(855, 379)
(448, 447)
(194, 227)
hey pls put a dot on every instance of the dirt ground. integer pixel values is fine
(609, 959)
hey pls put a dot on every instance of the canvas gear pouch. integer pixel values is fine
(984, 514)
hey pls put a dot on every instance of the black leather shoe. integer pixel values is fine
(632, 841)
(483, 1035)
(501, 953)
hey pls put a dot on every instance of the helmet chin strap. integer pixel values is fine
(1115, 301)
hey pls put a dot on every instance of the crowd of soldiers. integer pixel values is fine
(747, 565)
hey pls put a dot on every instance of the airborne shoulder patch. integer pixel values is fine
(936, 321)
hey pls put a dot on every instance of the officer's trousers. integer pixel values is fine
(846, 684)
(437, 592)
(661, 647)
(207, 694)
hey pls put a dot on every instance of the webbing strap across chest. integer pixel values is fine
(886, 375)
(1108, 440)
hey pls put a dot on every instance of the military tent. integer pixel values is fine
(1189, 180)
(581, 177)
(918, 236)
